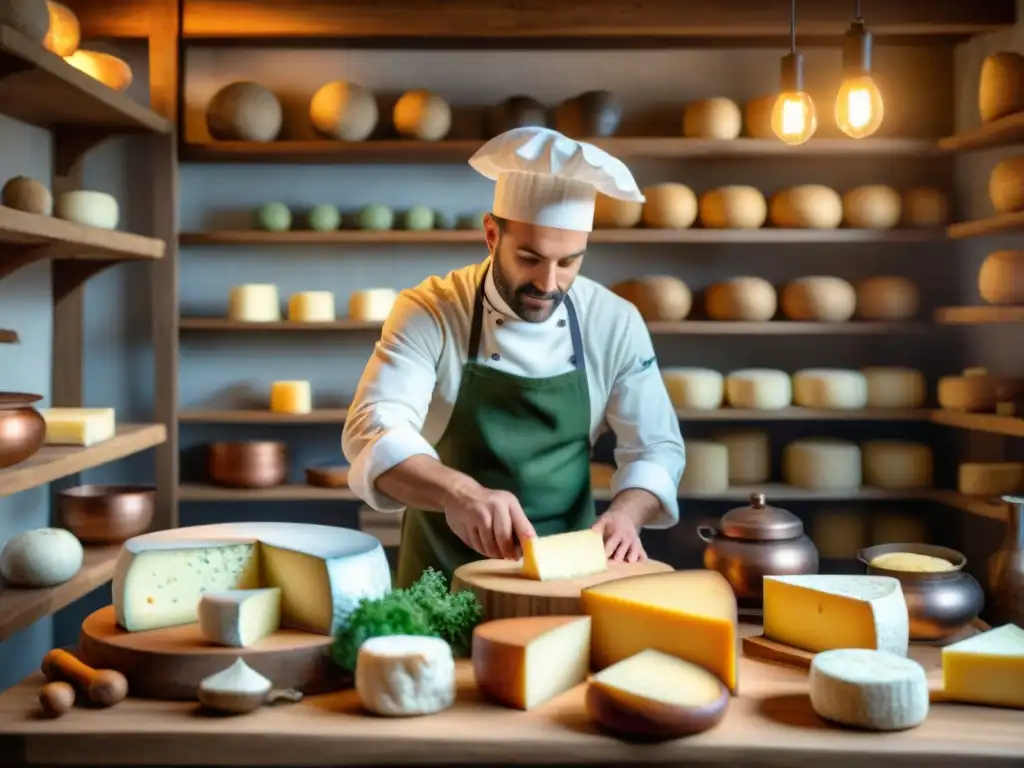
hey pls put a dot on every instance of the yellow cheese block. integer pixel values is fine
(78, 426)
(291, 397)
(987, 668)
(976, 478)
(311, 307)
(254, 303)
(564, 556)
(687, 614)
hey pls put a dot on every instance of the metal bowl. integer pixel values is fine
(22, 427)
(248, 464)
(107, 514)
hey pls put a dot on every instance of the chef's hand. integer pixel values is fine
(621, 537)
(491, 522)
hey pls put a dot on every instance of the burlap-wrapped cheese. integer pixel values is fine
(1001, 89)
(750, 299)
(886, 298)
(716, 118)
(925, 207)
(657, 297)
(1006, 185)
(669, 206)
(733, 207)
(818, 298)
(873, 206)
(342, 110)
(1001, 278)
(612, 213)
(757, 117)
(809, 206)
(244, 111)
(423, 115)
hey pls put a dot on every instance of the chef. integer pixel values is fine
(479, 407)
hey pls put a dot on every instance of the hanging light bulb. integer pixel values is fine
(793, 117)
(859, 108)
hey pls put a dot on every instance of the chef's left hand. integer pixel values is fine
(621, 537)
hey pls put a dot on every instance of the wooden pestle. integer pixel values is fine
(104, 687)
(56, 698)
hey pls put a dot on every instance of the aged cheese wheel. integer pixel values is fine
(897, 464)
(733, 207)
(750, 299)
(24, 194)
(1001, 89)
(44, 557)
(311, 307)
(896, 528)
(421, 114)
(589, 114)
(244, 111)
(707, 467)
(830, 388)
(977, 393)
(343, 110)
(839, 534)
(109, 70)
(750, 456)
(669, 206)
(1006, 185)
(30, 18)
(514, 112)
(819, 299)
(925, 207)
(757, 117)
(990, 478)
(762, 389)
(886, 298)
(254, 303)
(611, 213)
(658, 297)
(874, 206)
(809, 206)
(895, 387)
(716, 118)
(1001, 278)
(372, 305)
(65, 33)
(699, 389)
(822, 463)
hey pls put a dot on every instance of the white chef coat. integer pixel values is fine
(406, 394)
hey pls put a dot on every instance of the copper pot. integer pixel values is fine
(1006, 568)
(940, 604)
(22, 427)
(107, 514)
(249, 464)
(757, 541)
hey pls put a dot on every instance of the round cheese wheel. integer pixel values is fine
(423, 115)
(818, 299)
(244, 111)
(1001, 278)
(874, 206)
(762, 389)
(750, 299)
(401, 675)
(372, 305)
(897, 464)
(669, 206)
(757, 117)
(44, 557)
(733, 207)
(750, 456)
(810, 206)
(343, 110)
(291, 397)
(977, 392)
(925, 207)
(24, 194)
(830, 388)
(887, 298)
(311, 307)
(657, 297)
(895, 387)
(254, 303)
(699, 389)
(897, 529)
(610, 213)
(822, 464)
(839, 534)
(1001, 87)
(707, 467)
(977, 478)
(1006, 185)
(716, 118)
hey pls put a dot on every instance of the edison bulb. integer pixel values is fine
(859, 108)
(793, 117)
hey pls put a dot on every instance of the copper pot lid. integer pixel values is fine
(18, 399)
(760, 521)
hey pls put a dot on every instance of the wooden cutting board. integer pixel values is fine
(505, 593)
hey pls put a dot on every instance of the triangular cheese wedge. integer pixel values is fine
(987, 668)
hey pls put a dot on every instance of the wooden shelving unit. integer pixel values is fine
(1009, 426)
(1000, 224)
(998, 133)
(980, 315)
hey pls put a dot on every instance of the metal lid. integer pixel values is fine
(759, 521)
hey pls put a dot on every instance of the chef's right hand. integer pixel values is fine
(491, 522)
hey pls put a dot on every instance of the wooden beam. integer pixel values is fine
(113, 18)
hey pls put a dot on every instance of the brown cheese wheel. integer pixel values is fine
(733, 207)
(809, 206)
(1001, 89)
(818, 299)
(422, 115)
(886, 298)
(874, 206)
(341, 110)
(611, 213)
(669, 206)
(1006, 185)
(1001, 278)
(659, 298)
(716, 118)
(757, 117)
(925, 207)
(750, 299)
(244, 111)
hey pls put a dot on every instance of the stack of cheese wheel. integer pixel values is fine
(716, 118)
(707, 467)
(698, 389)
(978, 391)
(887, 298)
(743, 299)
(925, 207)
(809, 206)
(897, 464)
(1001, 88)
(659, 298)
(669, 206)
(839, 534)
(760, 389)
(818, 299)
(750, 456)
(1001, 278)
(822, 464)
(830, 389)
(874, 206)
(894, 387)
(733, 207)
(254, 303)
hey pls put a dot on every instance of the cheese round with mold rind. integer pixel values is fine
(733, 207)
(887, 298)
(254, 303)
(873, 206)
(809, 206)
(1001, 277)
(895, 387)
(700, 389)
(897, 464)
(741, 299)
(371, 305)
(830, 388)
(750, 456)
(707, 467)
(762, 389)
(716, 118)
(822, 464)
(669, 206)
(818, 298)
(925, 207)
(401, 675)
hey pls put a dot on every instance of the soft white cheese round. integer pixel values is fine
(311, 307)
(372, 305)
(830, 388)
(254, 303)
(44, 557)
(763, 389)
(707, 467)
(405, 675)
(700, 389)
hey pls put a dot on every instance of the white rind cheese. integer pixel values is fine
(762, 389)
(987, 668)
(311, 307)
(254, 303)
(701, 389)
(402, 675)
(239, 617)
(707, 467)
(372, 305)
(822, 463)
(830, 388)
(874, 690)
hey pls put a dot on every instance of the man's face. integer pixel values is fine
(534, 266)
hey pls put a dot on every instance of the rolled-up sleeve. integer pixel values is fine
(649, 451)
(386, 418)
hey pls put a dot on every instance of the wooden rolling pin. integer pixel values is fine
(104, 687)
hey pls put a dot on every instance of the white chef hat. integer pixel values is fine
(548, 179)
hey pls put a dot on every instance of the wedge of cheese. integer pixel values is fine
(78, 426)
(987, 668)
(564, 556)
(239, 617)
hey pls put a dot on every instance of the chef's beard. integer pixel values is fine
(513, 296)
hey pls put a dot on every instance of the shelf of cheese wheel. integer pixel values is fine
(259, 304)
(1000, 105)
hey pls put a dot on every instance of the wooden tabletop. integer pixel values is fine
(769, 723)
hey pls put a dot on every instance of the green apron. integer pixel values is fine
(530, 437)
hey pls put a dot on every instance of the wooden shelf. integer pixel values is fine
(9, 337)
(994, 509)
(20, 608)
(297, 492)
(1000, 224)
(1010, 426)
(1003, 132)
(223, 324)
(262, 416)
(980, 315)
(54, 462)
(40, 88)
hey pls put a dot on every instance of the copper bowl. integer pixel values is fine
(250, 464)
(22, 427)
(107, 514)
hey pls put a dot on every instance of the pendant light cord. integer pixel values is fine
(792, 26)
(856, 12)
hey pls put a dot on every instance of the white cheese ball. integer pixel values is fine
(44, 557)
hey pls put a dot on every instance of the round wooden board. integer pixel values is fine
(170, 663)
(505, 593)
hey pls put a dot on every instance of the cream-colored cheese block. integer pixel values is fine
(707, 467)
(839, 534)
(716, 118)
(372, 305)
(757, 117)
(897, 464)
(822, 612)
(749, 299)
(1001, 277)
(78, 426)
(1006, 185)
(1001, 86)
(763, 389)
(669, 206)
(874, 206)
(830, 388)
(699, 389)
(978, 392)
(925, 207)
(612, 213)
(822, 464)
(239, 617)
(977, 370)
(890, 528)
(986, 669)
(311, 307)
(564, 556)
(291, 397)
(254, 303)
(809, 206)
(977, 478)
(873, 690)
(818, 298)
(886, 298)
(658, 298)
(750, 456)
(402, 675)
(733, 207)
(895, 387)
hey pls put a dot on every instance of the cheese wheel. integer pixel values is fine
(830, 388)
(897, 529)
(699, 389)
(669, 206)
(372, 305)
(40, 558)
(976, 478)
(897, 464)
(839, 534)
(244, 111)
(869, 689)
(421, 114)
(1001, 87)
(311, 307)
(1006, 185)
(762, 389)
(809, 206)
(659, 298)
(978, 393)
(750, 456)
(254, 303)
(716, 118)
(401, 675)
(733, 207)
(750, 299)
(874, 206)
(291, 397)
(343, 110)
(1001, 278)
(819, 299)
(822, 464)
(894, 387)
(925, 207)
(611, 213)
(707, 467)
(757, 117)
(886, 298)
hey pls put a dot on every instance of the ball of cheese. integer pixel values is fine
(657, 297)
(830, 388)
(809, 206)
(897, 464)
(716, 118)
(1001, 88)
(839, 534)
(822, 463)
(733, 207)
(311, 307)
(44, 557)
(30, 18)
(372, 305)
(244, 111)
(707, 467)
(757, 117)
(887, 298)
(874, 206)
(343, 110)
(750, 299)
(894, 387)
(1001, 278)
(24, 194)
(273, 217)
(762, 389)
(423, 115)
(254, 303)
(912, 562)
(404, 675)
(669, 206)
(750, 456)
(699, 389)
(818, 299)
(925, 207)
(1006, 185)
(611, 213)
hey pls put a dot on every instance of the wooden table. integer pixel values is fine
(770, 724)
